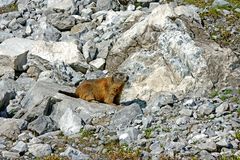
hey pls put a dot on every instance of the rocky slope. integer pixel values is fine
(182, 100)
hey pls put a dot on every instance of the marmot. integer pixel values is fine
(107, 90)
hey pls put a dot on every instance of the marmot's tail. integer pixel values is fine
(68, 94)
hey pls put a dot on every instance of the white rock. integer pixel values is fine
(40, 150)
(51, 51)
(98, 63)
(60, 4)
(70, 123)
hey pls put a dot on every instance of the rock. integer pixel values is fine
(6, 65)
(62, 22)
(98, 63)
(206, 109)
(219, 3)
(20, 147)
(51, 51)
(42, 124)
(60, 4)
(209, 145)
(4, 36)
(156, 148)
(103, 48)
(74, 154)
(41, 109)
(8, 89)
(160, 99)
(40, 150)
(224, 143)
(89, 51)
(182, 120)
(6, 2)
(10, 155)
(11, 128)
(206, 155)
(222, 108)
(186, 112)
(125, 116)
(104, 5)
(128, 136)
(70, 122)
(45, 32)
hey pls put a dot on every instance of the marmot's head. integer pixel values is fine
(120, 77)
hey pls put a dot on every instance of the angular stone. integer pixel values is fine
(40, 150)
(186, 112)
(20, 147)
(125, 116)
(98, 63)
(209, 146)
(89, 50)
(74, 154)
(70, 122)
(10, 155)
(42, 124)
(11, 128)
(222, 108)
(129, 135)
(206, 109)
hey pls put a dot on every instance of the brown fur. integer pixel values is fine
(107, 90)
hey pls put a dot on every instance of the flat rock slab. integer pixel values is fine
(51, 51)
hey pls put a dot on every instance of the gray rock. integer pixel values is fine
(160, 99)
(20, 147)
(8, 89)
(186, 112)
(156, 148)
(40, 150)
(44, 107)
(62, 22)
(206, 109)
(104, 5)
(126, 116)
(74, 154)
(222, 108)
(103, 48)
(45, 31)
(219, 3)
(98, 63)
(4, 36)
(209, 145)
(89, 50)
(7, 67)
(70, 122)
(11, 128)
(206, 155)
(224, 143)
(128, 136)
(42, 124)
(182, 120)
(10, 155)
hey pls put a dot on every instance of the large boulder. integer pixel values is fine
(69, 114)
(170, 60)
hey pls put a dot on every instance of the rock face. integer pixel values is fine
(172, 64)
